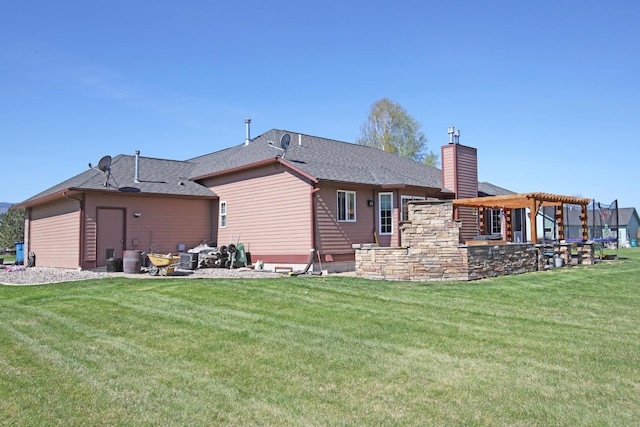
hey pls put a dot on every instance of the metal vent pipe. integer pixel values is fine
(247, 140)
(136, 178)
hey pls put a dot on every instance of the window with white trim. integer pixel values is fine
(385, 213)
(405, 208)
(223, 214)
(346, 205)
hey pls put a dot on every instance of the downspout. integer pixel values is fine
(374, 216)
(211, 217)
(312, 208)
(81, 237)
(28, 235)
(398, 213)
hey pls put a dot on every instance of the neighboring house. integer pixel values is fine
(629, 225)
(319, 194)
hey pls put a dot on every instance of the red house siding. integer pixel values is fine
(334, 238)
(269, 210)
(162, 224)
(54, 233)
(65, 233)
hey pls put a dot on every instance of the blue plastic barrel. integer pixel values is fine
(633, 243)
(19, 253)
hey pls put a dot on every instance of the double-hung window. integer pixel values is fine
(223, 214)
(385, 213)
(346, 205)
(405, 208)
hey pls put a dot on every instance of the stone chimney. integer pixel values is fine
(460, 175)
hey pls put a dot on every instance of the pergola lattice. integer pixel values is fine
(532, 201)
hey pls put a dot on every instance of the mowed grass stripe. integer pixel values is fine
(139, 390)
(536, 349)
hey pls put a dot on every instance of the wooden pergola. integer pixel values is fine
(532, 201)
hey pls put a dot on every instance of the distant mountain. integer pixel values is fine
(4, 206)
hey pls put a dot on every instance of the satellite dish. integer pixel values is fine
(284, 141)
(104, 164)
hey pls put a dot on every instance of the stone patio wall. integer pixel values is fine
(431, 251)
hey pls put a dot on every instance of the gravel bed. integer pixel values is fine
(19, 275)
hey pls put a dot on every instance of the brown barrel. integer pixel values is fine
(132, 262)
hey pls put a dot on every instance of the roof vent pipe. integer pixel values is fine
(454, 135)
(136, 178)
(247, 123)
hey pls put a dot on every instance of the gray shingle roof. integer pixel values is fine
(324, 159)
(487, 189)
(157, 176)
(625, 215)
(321, 158)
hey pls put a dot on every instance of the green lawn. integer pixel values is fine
(548, 348)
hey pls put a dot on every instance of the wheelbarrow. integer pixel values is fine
(162, 264)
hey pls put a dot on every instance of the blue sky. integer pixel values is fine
(548, 91)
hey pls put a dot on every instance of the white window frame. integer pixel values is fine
(380, 206)
(223, 214)
(404, 200)
(348, 215)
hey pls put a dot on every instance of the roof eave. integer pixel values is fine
(74, 190)
(44, 199)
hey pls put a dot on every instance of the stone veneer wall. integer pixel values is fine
(501, 260)
(431, 251)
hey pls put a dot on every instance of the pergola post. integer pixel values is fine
(585, 224)
(560, 220)
(533, 214)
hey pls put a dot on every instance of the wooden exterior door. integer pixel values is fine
(110, 234)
